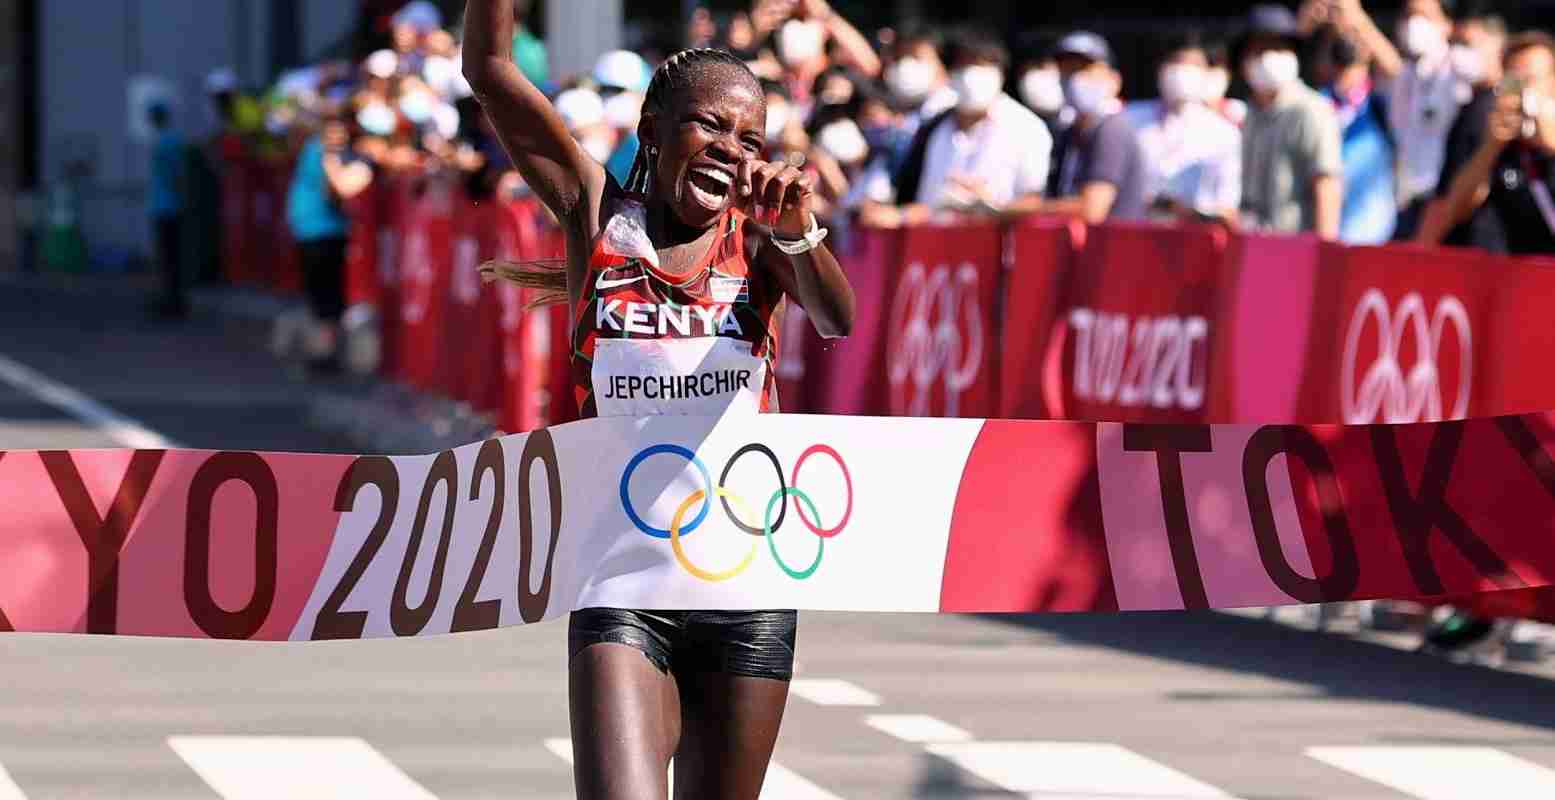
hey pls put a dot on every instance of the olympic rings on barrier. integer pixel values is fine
(771, 521)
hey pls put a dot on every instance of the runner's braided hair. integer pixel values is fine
(678, 73)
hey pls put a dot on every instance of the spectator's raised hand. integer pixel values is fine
(768, 15)
(1315, 14)
(1506, 120)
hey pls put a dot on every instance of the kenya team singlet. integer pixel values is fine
(647, 343)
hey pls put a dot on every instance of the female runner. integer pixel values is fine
(733, 236)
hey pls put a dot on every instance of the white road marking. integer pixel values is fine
(1074, 771)
(255, 767)
(831, 692)
(120, 428)
(8, 788)
(917, 728)
(1443, 773)
(782, 783)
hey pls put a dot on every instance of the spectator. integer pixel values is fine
(1370, 208)
(809, 33)
(528, 50)
(1477, 46)
(1291, 164)
(1218, 82)
(1512, 173)
(622, 77)
(1042, 90)
(166, 211)
(1425, 91)
(1101, 172)
(328, 175)
(1194, 154)
(918, 77)
(987, 155)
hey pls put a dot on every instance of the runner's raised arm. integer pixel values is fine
(560, 172)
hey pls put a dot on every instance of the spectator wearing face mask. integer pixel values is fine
(802, 42)
(1217, 82)
(584, 113)
(1425, 90)
(1042, 90)
(1193, 153)
(1477, 43)
(1344, 73)
(1511, 176)
(989, 154)
(1291, 163)
(1100, 166)
(918, 77)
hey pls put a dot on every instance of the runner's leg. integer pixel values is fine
(730, 728)
(625, 723)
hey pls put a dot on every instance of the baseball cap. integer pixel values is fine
(580, 108)
(1084, 44)
(1271, 20)
(622, 69)
(422, 15)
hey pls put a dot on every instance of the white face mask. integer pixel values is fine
(599, 147)
(377, 119)
(1422, 37)
(1042, 90)
(843, 141)
(1216, 83)
(777, 121)
(977, 87)
(1182, 83)
(418, 106)
(1273, 70)
(1088, 94)
(1466, 63)
(800, 41)
(911, 78)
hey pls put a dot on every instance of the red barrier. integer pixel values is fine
(941, 336)
(1135, 325)
(426, 260)
(1038, 262)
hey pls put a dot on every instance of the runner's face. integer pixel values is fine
(703, 137)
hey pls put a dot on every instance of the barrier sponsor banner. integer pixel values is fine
(1135, 325)
(941, 338)
(772, 511)
(426, 270)
(1396, 340)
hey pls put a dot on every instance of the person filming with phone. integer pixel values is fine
(1512, 174)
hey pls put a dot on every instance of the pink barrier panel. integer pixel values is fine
(363, 285)
(1262, 324)
(941, 339)
(426, 261)
(1038, 262)
(1397, 335)
(1518, 332)
(843, 376)
(1136, 324)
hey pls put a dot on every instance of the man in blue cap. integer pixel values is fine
(1291, 164)
(1099, 168)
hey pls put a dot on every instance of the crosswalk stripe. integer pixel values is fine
(832, 692)
(782, 783)
(1443, 773)
(1074, 771)
(8, 788)
(916, 728)
(254, 767)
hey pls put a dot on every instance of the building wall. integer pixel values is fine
(89, 58)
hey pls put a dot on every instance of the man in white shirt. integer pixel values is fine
(984, 156)
(1194, 154)
(1425, 88)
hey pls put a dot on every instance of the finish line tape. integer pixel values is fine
(771, 511)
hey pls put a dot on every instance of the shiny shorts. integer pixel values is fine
(755, 644)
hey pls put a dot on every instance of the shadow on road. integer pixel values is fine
(1335, 667)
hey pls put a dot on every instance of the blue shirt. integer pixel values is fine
(1370, 204)
(620, 164)
(167, 166)
(312, 210)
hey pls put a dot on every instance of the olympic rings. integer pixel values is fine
(777, 498)
(680, 552)
(771, 521)
(626, 497)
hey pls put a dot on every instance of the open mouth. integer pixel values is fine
(710, 187)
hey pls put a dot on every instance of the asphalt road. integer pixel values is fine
(1127, 706)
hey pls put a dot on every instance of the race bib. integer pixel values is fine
(705, 376)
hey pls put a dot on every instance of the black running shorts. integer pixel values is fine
(755, 644)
